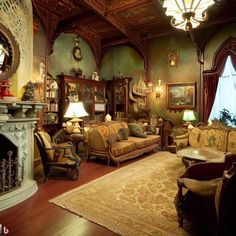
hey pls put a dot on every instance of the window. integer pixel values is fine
(226, 91)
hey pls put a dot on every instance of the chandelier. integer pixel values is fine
(187, 14)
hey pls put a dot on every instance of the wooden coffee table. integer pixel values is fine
(192, 156)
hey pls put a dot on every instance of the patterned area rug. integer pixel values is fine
(134, 200)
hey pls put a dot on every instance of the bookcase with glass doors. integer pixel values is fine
(90, 92)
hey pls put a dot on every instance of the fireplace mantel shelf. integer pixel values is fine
(12, 111)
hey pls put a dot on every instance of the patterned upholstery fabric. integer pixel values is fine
(103, 141)
(144, 142)
(47, 144)
(114, 128)
(121, 148)
(194, 137)
(214, 138)
(104, 130)
(231, 145)
(221, 138)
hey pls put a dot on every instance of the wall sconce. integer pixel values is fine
(173, 58)
(159, 89)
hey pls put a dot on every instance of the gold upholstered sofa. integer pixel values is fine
(117, 141)
(216, 137)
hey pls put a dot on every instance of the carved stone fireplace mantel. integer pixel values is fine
(17, 123)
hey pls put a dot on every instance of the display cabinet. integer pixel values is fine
(118, 97)
(90, 92)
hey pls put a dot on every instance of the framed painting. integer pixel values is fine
(181, 96)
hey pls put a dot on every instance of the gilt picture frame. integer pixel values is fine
(181, 96)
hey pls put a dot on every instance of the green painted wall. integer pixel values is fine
(124, 59)
(187, 70)
(130, 63)
(61, 60)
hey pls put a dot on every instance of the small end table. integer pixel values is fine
(77, 139)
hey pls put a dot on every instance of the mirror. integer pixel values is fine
(9, 53)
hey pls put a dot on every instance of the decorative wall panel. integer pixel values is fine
(16, 15)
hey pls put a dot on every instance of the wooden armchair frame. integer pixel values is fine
(186, 205)
(70, 161)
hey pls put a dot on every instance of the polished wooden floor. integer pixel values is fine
(35, 216)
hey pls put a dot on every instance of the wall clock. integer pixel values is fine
(76, 52)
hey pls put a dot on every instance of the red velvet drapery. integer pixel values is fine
(211, 78)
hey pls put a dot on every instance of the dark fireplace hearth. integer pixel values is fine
(9, 166)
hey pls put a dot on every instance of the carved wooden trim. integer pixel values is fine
(228, 47)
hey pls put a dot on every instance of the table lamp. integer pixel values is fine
(75, 110)
(188, 117)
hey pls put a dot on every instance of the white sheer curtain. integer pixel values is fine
(226, 91)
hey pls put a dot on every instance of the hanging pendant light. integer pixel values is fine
(187, 14)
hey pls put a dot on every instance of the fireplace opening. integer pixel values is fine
(9, 166)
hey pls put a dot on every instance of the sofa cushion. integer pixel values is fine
(142, 143)
(231, 144)
(121, 148)
(136, 130)
(202, 187)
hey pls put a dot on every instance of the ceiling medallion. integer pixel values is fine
(187, 14)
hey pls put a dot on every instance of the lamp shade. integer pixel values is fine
(189, 115)
(75, 110)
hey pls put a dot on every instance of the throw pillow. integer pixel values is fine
(202, 187)
(112, 138)
(136, 130)
(123, 133)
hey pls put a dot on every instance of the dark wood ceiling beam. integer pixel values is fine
(113, 43)
(49, 22)
(160, 9)
(115, 6)
(127, 31)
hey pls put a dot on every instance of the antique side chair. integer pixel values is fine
(57, 159)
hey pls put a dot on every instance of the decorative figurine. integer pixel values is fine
(29, 92)
(4, 89)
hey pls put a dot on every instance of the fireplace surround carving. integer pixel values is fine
(17, 123)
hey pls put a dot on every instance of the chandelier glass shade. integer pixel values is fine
(187, 14)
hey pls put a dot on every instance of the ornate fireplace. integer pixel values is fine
(17, 123)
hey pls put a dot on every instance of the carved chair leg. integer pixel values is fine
(88, 158)
(181, 221)
(179, 210)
